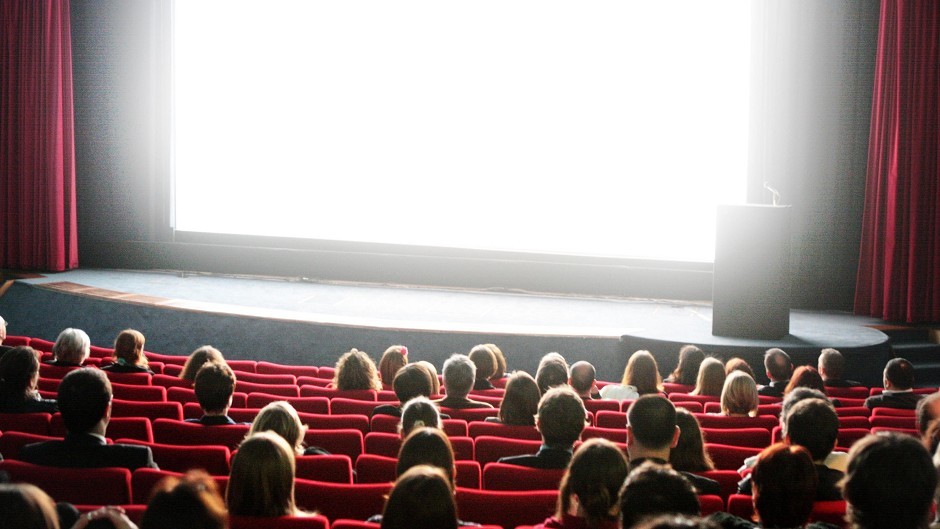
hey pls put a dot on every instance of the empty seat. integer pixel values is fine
(721, 421)
(339, 500)
(728, 457)
(470, 414)
(501, 476)
(170, 381)
(853, 392)
(287, 390)
(301, 404)
(332, 393)
(853, 411)
(336, 468)
(727, 481)
(491, 449)
(143, 480)
(271, 368)
(37, 423)
(596, 405)
(150, 410)
(319, 421)
(214, 459)
(139, 393)
(346, 441)
(166, 359)
(16, 341)
(750, 437)
(505, 508)
(617, 435)
(344, 406)
(495, 429)
(907, 423)
(134, 379)
(12, 442)
(892, 412)
(168, 431)
(610, 419)
(264, 378)
(111, 486)
(382, 444)
(371, 468)
(693, 407)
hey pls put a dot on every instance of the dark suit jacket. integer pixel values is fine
(4, 349)
(827, 490)
(702, 484)
(87, 451)
(387, 409)
(547, 457)
(215, 420)
(126, 368)
(841, 383)
(461, 404)
(905, 400)
(774, 389)
(25, 405)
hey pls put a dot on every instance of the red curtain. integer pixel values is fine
(37, 147)
(899, 262)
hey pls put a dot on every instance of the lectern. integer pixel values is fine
(751, 285)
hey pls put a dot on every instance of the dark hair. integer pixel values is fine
(925, 411)
(191, 501)
(26, 506)
(214, 386)
(900, 372)
(653, 489)
(676, 521)
(561, 416)
(199, 358)
(420, 499)
(890, 482)
(814, 425)
(777, 363)
(805, 377)
(552, 372)
(582, 376)
(652, 420)
(411, 381)
(642, 372)
(738, 364)
(485, 360)
(690, 357)
(595, 474)
(129, 346)
(18, 368)
(84, 396)
(520, 401)
(500, 362)
(393, 359)
(784, 486)
(427, 446)
(355, 370)
(689, 454)
(261, 481)
(795, 396)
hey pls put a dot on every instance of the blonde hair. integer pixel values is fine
(355, 370)
(393, 359)
(198, 358)
(261, 482)
(432, 372)
(129, 346)
(281, 418)
(739, 395)
(642, 372)
(711, 378)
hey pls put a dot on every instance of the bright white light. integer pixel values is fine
(596, 128)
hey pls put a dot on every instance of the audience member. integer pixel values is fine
(689, 454)
(676, 521)
(739, 396)
(129, 353)
(890, 483)
(84, 399)
(421, 499)
(191, 501)
(261, 481)
(653, 489)
(640, 377)
(898, 384)
(685, 373)
(432, 374)
(588, 493)
(738, 364)
(711, 378)
(410, 381)
(831, 366)
(355, 370)
(393, 359)
(520, 402)
(71, 348)
(459, 374)
(779, 368)
(485, 361)
(3, 336)
(26, 506)
(928, 410)
(582, 377)
(427, 446)
(417, 413)
(561, 419)
(552, 371)
(805, 377)
(500, 372)
(198, 358)
(784, 483)
(281, 418)
(19, 374)
(214, 386)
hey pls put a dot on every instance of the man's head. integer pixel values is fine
(651, 425)
(552, 371)
(214, 386)
(85, 401)
(831, 364)
(814, 425)
(459, 373)
(791, 399)
(561, 417)
(778, 365)
(898, 375)
(653, 489)
(928, 409)
(411, 381)
(890, 482)
(581, 378)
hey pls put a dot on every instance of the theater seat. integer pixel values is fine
(168, 431)
(337, 500)
(118, 427)
(750, 437)
(96, 486)
(143, 480)
(12, 442)
(286, 390)
(470, 414)
(721, 421)
(728, 457)
(280, 522)
(348, 442)
(214, 459)
(36, 423)
(495, 429)
(345, 406)
(491, 449)
(336, 468)
(505, 508)
(301, 404)
(271, 368)
(138, 393)
(150, 410)
(500, 476)
(611, 419)
(371, 468)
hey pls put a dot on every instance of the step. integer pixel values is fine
(927, 374)
(917, 353)
(898, 335)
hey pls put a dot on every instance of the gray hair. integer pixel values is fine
(459, 374)
(72, 346)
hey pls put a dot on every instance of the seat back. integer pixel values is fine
(693, 407)
(112, 486)
(500, 476)
(495, 429)
(12, 442)
(345, 406)
(138, 392)
(907, 423)
(150, 410)
(184, 395)
(853, 392)
(286, 390)
(596, 405)
(301, 404)
(382, 444)
(336, 468)
(853, 411)
(172, 432)
(118, 427)
(893, 412)
(721, 421)
(854, 421)
(610, 419)
(470, 414)
(508, 509)
(271, 368)
(331, 393)
(339, 500)
(266, 378)
(491, 449)
(345, 441)
(214, 459)
(143, 480)
(170, 381)
(37, 423)
(617, 435)
(371, 468)
(320, 421)
(727, 481)
(726, 457)
(280, 522)
(384, 423)
(751, 437)
(134, 379)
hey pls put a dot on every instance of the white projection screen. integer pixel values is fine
(605, 128)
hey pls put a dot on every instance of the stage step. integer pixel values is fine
(919, 346)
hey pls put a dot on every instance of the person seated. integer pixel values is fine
(421, 499)
(652, 432)
(214, 386)
(192, 501)
(84, 399)
(129, 353)
(928, 411)
(485, 360)
(459, 374)
(26, 505)
(689, 454)
(281, 418)
(500, 372)
(552, 371)
(784, 483)
(831, 366)
(418, 413)
(808, 377)
(588, 493)
(676, 521)
(520, 401)
(432, 374)
(582, 377)
(652, 489)
(71, 348)
(198, 358)
(561, 418)
(393, 359)
(779, 368)
(640, 377)
(19, 374)
(898, 384)
(685, 373)
(711, 378)
(356, 371)
(261, 481)
(739, 396)
(3, 336)
(738, 364)
(410, 381)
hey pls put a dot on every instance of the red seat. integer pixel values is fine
(727, 480)
(693, 407)
(168, 431)
(892, 412)
(214, 459)
(356, 524)
(266, 378)
(320, 421)
(139, 393)
(143, 480)
(741, 505)
(596, 405)
(48, 384)
(344, 406)
(287, 390)
(133, 379)
(371, 468)
(908, 423)
(270, 368)
(685, 397)
(721, 421)
(709, 503)
(854, 392)
(166, 359)
(491, 449)
(853, 411)
(314, 381)
(728, 457)
(672, 387)
(495, 429)
(281, 522)
(118, 428)
(16, 341)
(470, 414)
(172, 370)
(762, 409)
(346, 441)
(848, 436)
(879, 391)
(611, 419)
(332, 393)
(336, 468)
(832, 512)
(150, 410)
(111, 486)
(170, 381)
(301, 404)
(455, 427)
(617, 435)
(384, 423)
(382, 444)
(339, 500)
(37, 423)
(41, 345)
(854, 421)
(751, 437)
(246, 366)
(907, 431)
(101, 352)
(506, 508)
(501, 476)
(12, 442)
(51, 371)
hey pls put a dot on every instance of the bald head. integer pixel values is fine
(581, 378)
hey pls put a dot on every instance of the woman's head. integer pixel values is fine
(784, 485)
(421, 499)
(432, 373)
(427, 446)
(500, 362)
(72, 347)
(711, 378)
(281, 418)
(642, 372)
(129, 347)
(190, 501)
(26, 506)
(19, 372)
(412, 381)
(739, 395)
(355, 370)
(417, 413)
(805, 377)
(393, 359)
(520, 401)
(738, 364)
(199, 358)
(690, 357)
(261, 482)
(482, 357)
(594, 477)
(689, 454)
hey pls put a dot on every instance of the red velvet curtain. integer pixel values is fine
(37, 147)
(899, 264)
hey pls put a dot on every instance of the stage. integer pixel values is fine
(295, 320)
